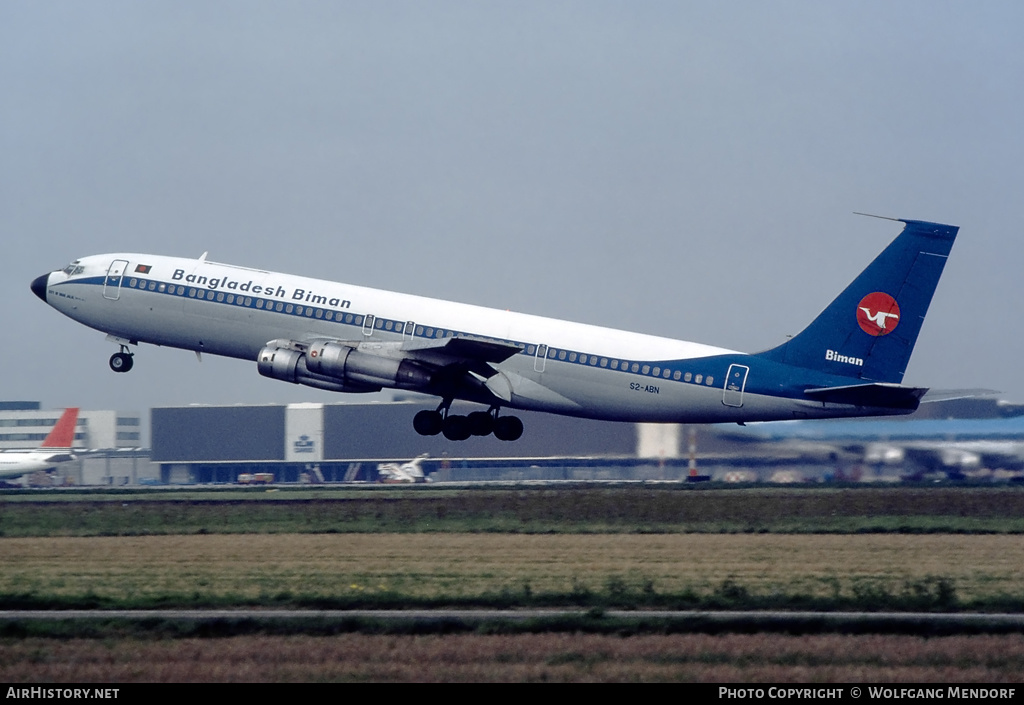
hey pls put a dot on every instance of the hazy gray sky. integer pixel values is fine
(687, 169)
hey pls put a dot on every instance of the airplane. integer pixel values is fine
(55, 448)
(849, 361)
(951, 445)
(410, 472)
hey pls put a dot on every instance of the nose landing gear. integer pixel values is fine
(122, 361)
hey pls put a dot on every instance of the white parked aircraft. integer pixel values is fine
(55, 448)
(409, 472)
(848, 362)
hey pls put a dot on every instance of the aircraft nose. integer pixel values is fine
(39, 286)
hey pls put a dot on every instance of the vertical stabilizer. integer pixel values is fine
(869, 331)
(63, 433)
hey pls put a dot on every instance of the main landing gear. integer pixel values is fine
(459, 428)
(122, 361)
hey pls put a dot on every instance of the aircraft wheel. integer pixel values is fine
(508, 428)
(456, 428)
(481, 423)
(427, 423)
(121, 362)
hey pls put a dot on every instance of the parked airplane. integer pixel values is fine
(56, 448)
(953, 446)
(848, 362)
(410, 472)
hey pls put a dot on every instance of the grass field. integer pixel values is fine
(750, 658)
(634, 547)
(625, 509)
(397, 569)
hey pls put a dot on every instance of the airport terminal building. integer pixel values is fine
(331, 443)
(111, 447)
(345, 442)
(24, 424)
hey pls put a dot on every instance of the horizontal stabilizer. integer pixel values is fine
(878, 394)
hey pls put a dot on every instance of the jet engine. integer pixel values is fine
(338, 368)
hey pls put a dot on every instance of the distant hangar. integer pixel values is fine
(344, 442)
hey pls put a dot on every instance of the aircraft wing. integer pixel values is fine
(461, 351)
(442, 367)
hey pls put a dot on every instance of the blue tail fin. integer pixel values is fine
(869, 331)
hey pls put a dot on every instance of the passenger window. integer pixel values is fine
(709, 381)
(231, 298)
(656, 371)
(279, 307)
(677, 375)
(583, 359)
(666, 373)
(389, 325)
(615, 364)
(698, 378)
(561, 354)
(646, 369)
(687, 377)
(572, 357)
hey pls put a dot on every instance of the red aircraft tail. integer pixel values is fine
(63, 433)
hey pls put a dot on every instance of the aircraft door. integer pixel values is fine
(735, 383)
(540, 358)
(112, 282)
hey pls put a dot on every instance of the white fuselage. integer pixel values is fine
(561, 367)
(14, 464)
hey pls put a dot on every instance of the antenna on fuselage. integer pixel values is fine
(202, 257)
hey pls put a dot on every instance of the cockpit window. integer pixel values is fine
(74, 268)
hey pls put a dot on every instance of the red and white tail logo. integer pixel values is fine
(878, 314)
(63, 433)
